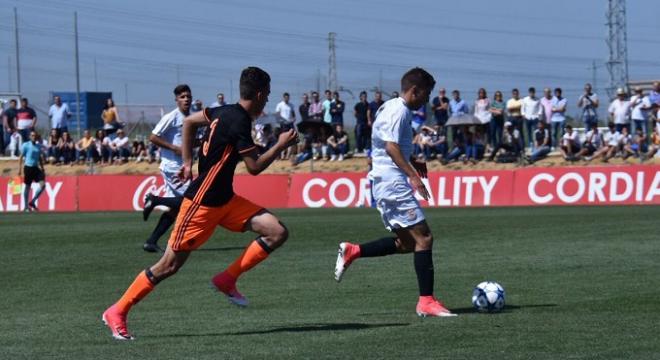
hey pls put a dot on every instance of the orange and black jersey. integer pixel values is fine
(227, 137)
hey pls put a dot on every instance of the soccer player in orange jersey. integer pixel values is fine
(210, 201)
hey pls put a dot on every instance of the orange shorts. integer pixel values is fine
(195, 223)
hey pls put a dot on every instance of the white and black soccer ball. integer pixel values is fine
(488, 296)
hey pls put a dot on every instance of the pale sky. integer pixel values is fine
(465, 45)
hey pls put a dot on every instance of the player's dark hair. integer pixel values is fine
(532, 89)
(286, 94)
(558, 90)
(417, 77)
(179, 89)
(253, 80)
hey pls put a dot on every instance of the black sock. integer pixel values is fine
(174, 203)
(166, 220)
(380, 247)
(424, 270)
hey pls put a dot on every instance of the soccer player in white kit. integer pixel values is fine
(167, 136)
(393, 168)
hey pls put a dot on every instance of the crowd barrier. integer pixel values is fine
(611, 185)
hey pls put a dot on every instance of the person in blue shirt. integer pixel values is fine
(32, 158)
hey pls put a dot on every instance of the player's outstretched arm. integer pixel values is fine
(190, 126)
(394, 151)
(256, 164)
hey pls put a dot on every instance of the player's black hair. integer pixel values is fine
(286, 94)
(558, 90)
(532, 89)
(179, 89)
(253, 80)
(417, 77)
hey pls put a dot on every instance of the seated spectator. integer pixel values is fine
(611, 144)
(305, 151)
(510, 143)
(570, 144)
(338, 143)
(624, 143)
(102, 143)
(637, 146)
(86, 148)
(121, 148)
(154, 152)
(542, 142)
(655, 141)
(67, 149)
(474, 147)
(15, 142)
(421, 141)
(437, 145)
(458, 146)
(320, 146)
(139, 151)
(52, 147)
(593, 141)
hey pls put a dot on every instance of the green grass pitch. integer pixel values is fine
(581, 283)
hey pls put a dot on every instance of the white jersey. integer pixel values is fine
(169, 128)
(393, 124)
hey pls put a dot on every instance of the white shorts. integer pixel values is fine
(395, 199)
(173, 186)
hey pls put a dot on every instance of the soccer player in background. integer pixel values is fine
(395, 198)
(210, 201)
(33, 159)
(167, 136)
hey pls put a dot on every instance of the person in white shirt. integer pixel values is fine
(121, 148)
(570, 144)
(640, 105)
(167, 135)
(558, 119)
(531, 110)
(400, 211)
(59, 114)
(589, 102)
(610, 144)
(220, 101)
(287, 118)
(620, 111)
(593, 142)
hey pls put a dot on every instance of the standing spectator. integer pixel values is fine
(458, 106)
(440, 107)
(86, 148)
(546, 104)
(558, 107)
(220, 101)
(570, 145)
(482, 112)
(338, 143)
(110, 117)
(197, 106)
(303, 109)
(640, 105)
(497, 109)
(531, 111)
(327, 103)
(52, 147)
(593, 142)
(316, 108)
(362, 129)
(287, 118)
(337, 110)
(374, 106)
(514, 114)
(59, 114)
(654, 97)
(121, 148)
(8, 125)
(67, 148)
(542, 143)
(588, 102)
(26, 120)
(419, 117)
(620, 111)
(395, 94)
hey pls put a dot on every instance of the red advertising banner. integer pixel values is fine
(60, 194)
(613, 185)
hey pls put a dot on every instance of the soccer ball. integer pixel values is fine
(488, 296)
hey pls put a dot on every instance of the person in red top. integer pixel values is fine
(210, 200)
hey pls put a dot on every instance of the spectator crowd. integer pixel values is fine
(448, 129)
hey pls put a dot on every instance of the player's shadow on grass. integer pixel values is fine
(319, 327)
(226, 248)
(507, 308)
